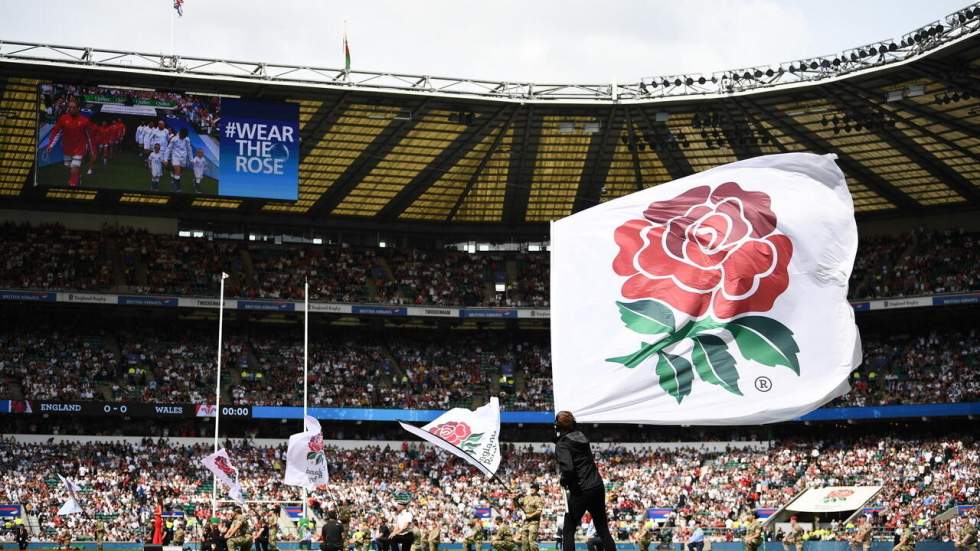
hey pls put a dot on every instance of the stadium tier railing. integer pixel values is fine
(147, 410)
(394, 310)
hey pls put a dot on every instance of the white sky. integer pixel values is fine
(531, 40)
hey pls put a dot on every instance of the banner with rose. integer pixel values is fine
(472, 435)
(719, 298)
(306, 465)
(220, 466)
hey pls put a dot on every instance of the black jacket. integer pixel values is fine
(575, 463)
(332, 535)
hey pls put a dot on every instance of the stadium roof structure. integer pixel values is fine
(413, 151)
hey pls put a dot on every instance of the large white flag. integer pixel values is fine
(306, 465)
(220, 465)
(74, 504)
(719, 298)
(473, 435)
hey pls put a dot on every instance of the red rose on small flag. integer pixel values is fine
(222, 464)
(706, 248)
(453, 432)
(316, 443)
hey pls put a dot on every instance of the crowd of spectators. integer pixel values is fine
(121, 482)
(919, 263)
(407, 369)
(51, 257)
(933, 367)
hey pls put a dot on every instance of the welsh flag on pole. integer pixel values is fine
(716, 299)
(346, 53)
(471, 435)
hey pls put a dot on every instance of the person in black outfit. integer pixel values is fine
(261, 536)
(332, 534)
(584, 489)
(20, 533)
(384, 532)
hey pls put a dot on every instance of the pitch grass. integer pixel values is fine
(125, 172)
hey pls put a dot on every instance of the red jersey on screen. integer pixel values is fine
(76, 131)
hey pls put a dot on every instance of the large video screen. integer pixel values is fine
(99, 137)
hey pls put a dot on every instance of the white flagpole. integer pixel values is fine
(306, 359)
(217, 388)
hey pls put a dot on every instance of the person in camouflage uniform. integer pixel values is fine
(965, 538)
(794, 536)
(473, 536)
(418, 531)
(100, 532)
(503, 538)
(643, 537)
(532, 505)
(180, 535)
(906, 541)
(64, 537)
(366, 542)
(272, 520)
(861, 540)
(238, 536)
(753, 533)
(433, 535)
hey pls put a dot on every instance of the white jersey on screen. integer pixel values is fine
(199, 164)
(179, 151)
(156, 164)
(155, 136)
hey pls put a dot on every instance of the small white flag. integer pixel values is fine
(473, 435)
(74, 504)
(716, 299)
(220, 465)
(306, 465)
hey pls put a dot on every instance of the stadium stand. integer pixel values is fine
(398, 176)
(923, 476)
(51, 257)
(408, 369)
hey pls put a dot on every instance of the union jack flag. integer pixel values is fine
(179, 6)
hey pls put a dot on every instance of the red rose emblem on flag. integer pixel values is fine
(316, 443)
(453, 432)
(223, 466)
(705, 249)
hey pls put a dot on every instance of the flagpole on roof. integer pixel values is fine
(346, 49)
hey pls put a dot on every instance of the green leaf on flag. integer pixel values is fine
(638, 357)
(675, 375)
(647, 316)
(766, 341)
(714, 364)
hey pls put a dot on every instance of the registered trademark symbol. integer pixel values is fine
(763, 384)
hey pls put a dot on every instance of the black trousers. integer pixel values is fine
(592, 500)
(402, 542)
